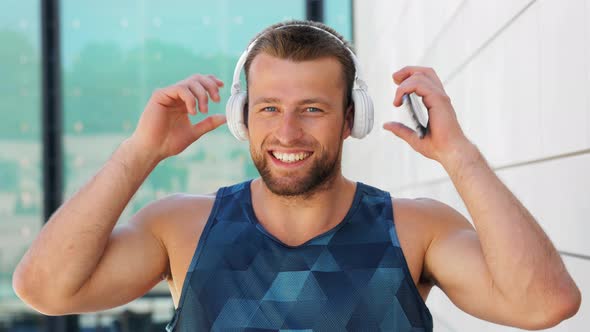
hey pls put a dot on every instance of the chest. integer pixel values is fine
(354, 276)
(248, 255)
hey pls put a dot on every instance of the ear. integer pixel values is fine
(245, 114)
(348, 120)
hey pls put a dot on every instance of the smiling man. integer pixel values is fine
(297, 133)
(302, 247)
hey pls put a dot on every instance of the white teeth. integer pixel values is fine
(290, 157)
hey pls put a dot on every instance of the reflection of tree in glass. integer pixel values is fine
(170, 176)
(19, 121)
(19, 87)
(9, 175)
(107, 87)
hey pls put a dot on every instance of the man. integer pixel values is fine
(302, 247)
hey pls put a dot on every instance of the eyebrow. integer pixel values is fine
(270, 100)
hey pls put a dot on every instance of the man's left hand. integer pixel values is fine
(444, 137)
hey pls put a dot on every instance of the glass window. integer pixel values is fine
(114, 54)
(114, 59)
(21, 201)
(338, 15)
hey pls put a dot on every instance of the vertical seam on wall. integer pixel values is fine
(587, 4)
(486, 43)
(539, 85)
(352, 21)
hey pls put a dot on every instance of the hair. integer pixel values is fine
(298, 42)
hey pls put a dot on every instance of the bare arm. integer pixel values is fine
(508, 272)
(69, 247)
(522, 267)
(77, 256)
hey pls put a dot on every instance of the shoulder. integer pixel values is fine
(419, 222)
(429, 217)
(175, 213)
(174, 205)
(429, 212)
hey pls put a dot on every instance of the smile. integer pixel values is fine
(290, 157)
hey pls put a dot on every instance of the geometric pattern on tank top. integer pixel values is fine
(353, 277)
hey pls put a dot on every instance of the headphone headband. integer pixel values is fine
(235, 107)
(236, 86)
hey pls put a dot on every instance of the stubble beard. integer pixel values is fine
(322, 173)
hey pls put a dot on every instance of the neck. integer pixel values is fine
(296, 219)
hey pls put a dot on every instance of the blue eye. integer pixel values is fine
(269, 109)
(313, 110)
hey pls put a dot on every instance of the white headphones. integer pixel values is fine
(363, 105)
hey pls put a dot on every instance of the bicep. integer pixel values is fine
(133, 262)
(455, 262)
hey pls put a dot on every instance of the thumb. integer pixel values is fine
(208, 124)
(400, 130)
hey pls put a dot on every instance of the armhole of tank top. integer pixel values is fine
(405, 266)
(202, 239)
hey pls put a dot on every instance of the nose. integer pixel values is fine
(289, 128)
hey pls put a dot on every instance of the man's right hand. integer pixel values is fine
(165, 128)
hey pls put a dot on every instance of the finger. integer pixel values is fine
(404, 73)
(217, 81)
(198, 91)
(163, 96)
(211, 86)
(402, 131)
(171, 95)
(418, 83)
(208, 124)
(189, 100)
(432, 96)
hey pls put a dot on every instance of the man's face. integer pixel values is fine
(296, 122)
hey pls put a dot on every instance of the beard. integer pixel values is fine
(323, 170)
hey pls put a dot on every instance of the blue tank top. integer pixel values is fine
(352, 277)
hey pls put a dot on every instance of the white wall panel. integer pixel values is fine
(475, 23)
(499, 96)
(511, 92)
(516, 129)
(521, 90)
(497, 99)
(410, 32)
(587, 44)
(556, 192)
(437, 15)
(562, 210)
(564, 79)
(378, 54)
(502, 113)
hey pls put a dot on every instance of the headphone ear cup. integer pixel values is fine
(234, 110)
(363, 114)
